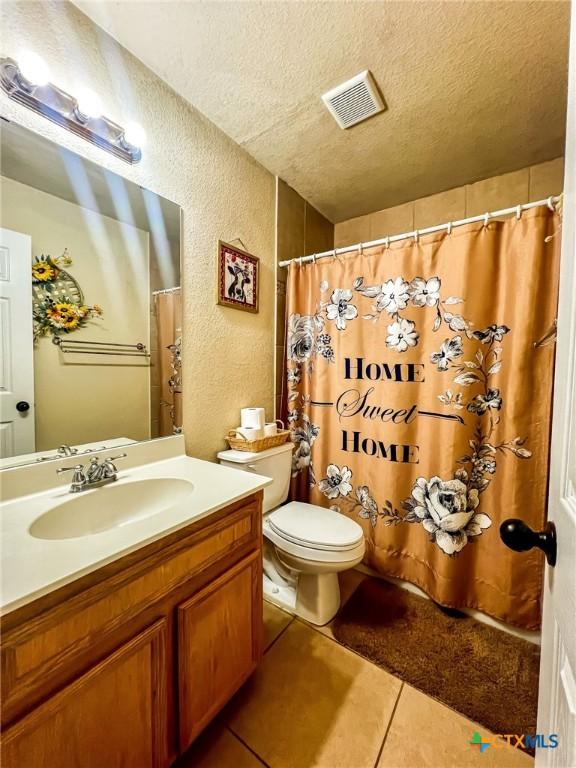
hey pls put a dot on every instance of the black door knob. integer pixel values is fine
(22, 406)
(519, 537)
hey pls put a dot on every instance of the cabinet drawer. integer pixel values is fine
(48, 650)
(113, 715)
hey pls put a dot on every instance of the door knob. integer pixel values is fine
(519, 537)
(22, 406)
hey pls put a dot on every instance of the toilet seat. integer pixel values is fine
(314, 533)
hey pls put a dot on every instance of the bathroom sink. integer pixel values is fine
(113, 506)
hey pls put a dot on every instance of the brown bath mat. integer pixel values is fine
(488, 675)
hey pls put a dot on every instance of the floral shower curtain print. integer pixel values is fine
(419, 400)
(168, 306)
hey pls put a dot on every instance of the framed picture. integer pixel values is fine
(238, 278)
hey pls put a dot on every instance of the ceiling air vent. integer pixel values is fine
(355, 100)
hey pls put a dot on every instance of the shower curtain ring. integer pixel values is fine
(313, 258)
(518, 212)
(386, 242)
(486, 218)
(416, 236)
(449, 228)
(550, 203)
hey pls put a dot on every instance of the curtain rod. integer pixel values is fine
(417, 233)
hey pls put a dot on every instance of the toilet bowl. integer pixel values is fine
(305, 545)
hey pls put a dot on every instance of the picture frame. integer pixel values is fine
(238, 278)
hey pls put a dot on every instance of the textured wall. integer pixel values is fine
(228, 360)
(533, 183)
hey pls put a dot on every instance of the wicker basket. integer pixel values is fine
(239, 443)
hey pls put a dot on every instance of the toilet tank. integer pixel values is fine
(275, 463)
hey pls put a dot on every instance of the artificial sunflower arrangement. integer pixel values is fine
(58, 304)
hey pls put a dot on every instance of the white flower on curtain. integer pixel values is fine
(425, 293)
(489, 399)
(300, 338)
(450, 350)
(491, 334)
(303, 437)
(446, 510)
(401, 335)
(361, 500)
(391, 296)
(451, 399)
(337, 482)
(340, 308)
(368, 506)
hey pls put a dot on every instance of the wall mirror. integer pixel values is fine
(90, 305)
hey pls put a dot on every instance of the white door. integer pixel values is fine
(557, 701)
(16, 345)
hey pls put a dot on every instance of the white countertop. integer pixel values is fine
(32, 567)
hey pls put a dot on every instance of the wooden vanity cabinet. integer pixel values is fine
(125, 667)
(219, 645)
(113, 715)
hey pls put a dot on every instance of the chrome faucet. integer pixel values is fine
(94, 475)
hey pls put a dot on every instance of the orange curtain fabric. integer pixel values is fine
(419, 385)
(169, 326)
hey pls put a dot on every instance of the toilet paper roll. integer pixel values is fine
(270, 429)
(250, 433)
(252, 417)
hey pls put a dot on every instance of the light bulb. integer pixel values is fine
(89, 103)
(135, 135)
(33, 68)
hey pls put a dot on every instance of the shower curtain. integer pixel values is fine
(169, 326)
(418, 393)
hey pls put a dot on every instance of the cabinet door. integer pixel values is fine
(114, 715)
(219, 643)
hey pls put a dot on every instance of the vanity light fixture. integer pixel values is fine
(34, 69)
(29, 84)
(88, 105)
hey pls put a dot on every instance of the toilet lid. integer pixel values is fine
(312, 526)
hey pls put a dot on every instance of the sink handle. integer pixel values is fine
(109, 466)
(78, 468)
(79, 478)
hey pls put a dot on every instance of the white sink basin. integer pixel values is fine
(112, 506)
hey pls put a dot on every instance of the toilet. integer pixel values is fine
(305, 546)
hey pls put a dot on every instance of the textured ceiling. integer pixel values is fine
(473, 88)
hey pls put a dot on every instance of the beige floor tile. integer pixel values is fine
(218, 748)
(427, 734)
(275, 620)
(312, 703)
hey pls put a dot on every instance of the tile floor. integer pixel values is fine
(314, 704)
